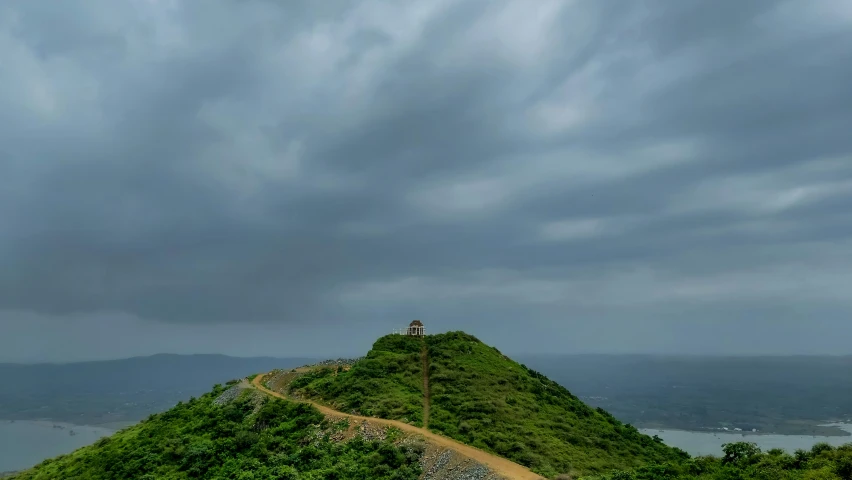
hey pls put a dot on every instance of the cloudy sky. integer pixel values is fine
(298, 178)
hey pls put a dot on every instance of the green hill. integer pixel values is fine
(476, 395)
(481, 397)
(248, 437)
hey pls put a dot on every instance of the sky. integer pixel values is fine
(299, 178)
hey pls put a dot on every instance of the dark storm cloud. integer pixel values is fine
(263, 162)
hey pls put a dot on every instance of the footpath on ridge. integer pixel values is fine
(424, 356)
(498, 465)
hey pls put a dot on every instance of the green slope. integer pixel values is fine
(386, 383)
(251, 437)
(485, 399)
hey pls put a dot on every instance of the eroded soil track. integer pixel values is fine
(498, 465)
(424, 356)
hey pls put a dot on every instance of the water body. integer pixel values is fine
(710, 443)
(24, 443)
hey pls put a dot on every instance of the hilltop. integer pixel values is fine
(478, 396)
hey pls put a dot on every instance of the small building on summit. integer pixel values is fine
(416, 329)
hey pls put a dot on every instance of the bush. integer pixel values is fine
(202, 440)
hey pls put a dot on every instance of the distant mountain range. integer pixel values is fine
(121, 391)
(772, 394)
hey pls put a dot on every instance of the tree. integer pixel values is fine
(739, 451)
(843, 466)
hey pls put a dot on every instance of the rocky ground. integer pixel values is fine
(444, 464)
(236, 390)
(437, 463)
(229, 395)
(279, 380)
(339, 361)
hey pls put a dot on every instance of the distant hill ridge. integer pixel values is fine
(481, 397)
(124, 390)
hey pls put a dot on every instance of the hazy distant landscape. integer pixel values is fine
(114, 393)
(784, 395)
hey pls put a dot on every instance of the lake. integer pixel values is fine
(710, 443)
(25, 443)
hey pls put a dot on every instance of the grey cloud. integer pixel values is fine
(301, 164)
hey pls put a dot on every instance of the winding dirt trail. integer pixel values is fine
(424, 357)
(499, 465)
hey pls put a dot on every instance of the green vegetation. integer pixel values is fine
(744, 461)
(387, 383)
(251, 437)
(483, 398)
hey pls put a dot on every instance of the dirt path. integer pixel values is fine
(424, 356)
(499, 465)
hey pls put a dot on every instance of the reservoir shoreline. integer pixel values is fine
(698, 443)
(26, 443)
(827, 428)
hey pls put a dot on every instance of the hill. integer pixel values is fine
(478, 396)
(236, 434)
(125, 390)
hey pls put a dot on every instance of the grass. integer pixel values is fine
(387, 383)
